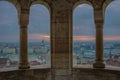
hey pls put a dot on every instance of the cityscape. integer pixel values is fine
(84, 53)
(39, 26)
(39, 53)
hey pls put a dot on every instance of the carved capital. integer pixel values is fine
(99, 24)
(98, 17)
(24, 18)
(25, 4)
(97, 4)
(61, 4)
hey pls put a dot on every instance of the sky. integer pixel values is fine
(39, 23)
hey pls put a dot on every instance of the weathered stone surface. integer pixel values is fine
(95, 74)
(61, 43)
(33, 74)
(45, 74)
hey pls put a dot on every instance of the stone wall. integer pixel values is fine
(95, 74)
(30, 74)
(78, 74)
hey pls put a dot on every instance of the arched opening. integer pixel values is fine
(83, 35)
(39, 36)
(112, 34)
(9, 35)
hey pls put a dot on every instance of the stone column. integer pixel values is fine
(98, 16)
(24, 20)
(61, 42)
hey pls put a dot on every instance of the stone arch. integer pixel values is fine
(11, 32)
(83, 36)
(43, 7)
(11, 2)
(111, 32)
(41, 3)
(106, 4)
(37, 29)
(14, 3)
(110, 9)
(82, 2)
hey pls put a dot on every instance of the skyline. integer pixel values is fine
(83, 23)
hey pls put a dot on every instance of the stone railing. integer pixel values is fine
(86, 73)
(30, 74)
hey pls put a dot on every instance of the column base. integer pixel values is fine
(98, 65)
(21, 66)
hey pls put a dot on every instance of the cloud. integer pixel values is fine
(39, 25)
(9, 38)
(39, 12)
(84, 13)
(38, 37)
(112, 38)
(8, 14)
(92, 38)
(39, 20)
(8, 30)
(83, 21)
(83, 30)
(83, 38)
(112, 19)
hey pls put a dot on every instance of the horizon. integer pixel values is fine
(38, 38)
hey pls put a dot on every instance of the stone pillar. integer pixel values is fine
(61, 42)
(98, 16)
(24, 20)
